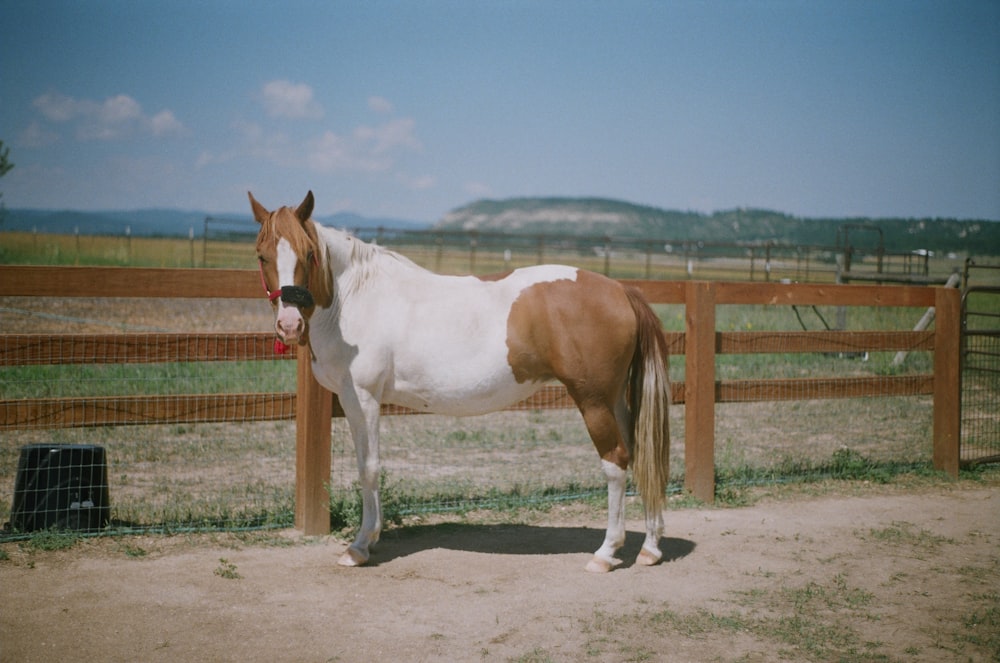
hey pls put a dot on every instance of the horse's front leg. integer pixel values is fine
(362, 412)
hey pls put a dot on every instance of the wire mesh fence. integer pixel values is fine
(61, 486)
(229, 242)
(981, 375)
(187, 443)
(186, 422)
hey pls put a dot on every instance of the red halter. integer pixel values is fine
(271, 296)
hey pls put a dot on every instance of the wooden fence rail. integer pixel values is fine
(312, 406)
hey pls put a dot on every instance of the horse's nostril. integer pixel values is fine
(290, 329)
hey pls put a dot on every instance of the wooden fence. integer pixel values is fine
(312, 406)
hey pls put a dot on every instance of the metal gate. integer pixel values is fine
(980, 370)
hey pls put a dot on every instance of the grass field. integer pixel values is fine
(816, 265)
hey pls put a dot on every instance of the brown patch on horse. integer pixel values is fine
(588, 348)
(550, 335)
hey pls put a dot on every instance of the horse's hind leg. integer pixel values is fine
(610, 441)
(604, 558)
(650, 553)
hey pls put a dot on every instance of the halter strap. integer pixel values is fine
(271, 296)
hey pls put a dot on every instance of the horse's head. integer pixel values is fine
(293, 267)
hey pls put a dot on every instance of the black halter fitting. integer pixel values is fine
(296, 295)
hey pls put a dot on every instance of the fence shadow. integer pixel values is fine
(513, 540)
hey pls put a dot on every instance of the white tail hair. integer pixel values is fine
(649, 401)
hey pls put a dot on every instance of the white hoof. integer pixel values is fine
(353, 557)
(600, 565)
(648, 557)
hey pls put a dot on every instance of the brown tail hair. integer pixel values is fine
(649, 399)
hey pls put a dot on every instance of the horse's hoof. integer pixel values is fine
(648, 558)
(599, 565)
(352, 557)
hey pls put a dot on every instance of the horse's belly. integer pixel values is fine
(460, 399)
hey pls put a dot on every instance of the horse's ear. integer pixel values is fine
(259, 213)
(305, 210)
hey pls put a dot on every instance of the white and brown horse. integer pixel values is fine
(384, 330)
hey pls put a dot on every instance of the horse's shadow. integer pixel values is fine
(512, 539)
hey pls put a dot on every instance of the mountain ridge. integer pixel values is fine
(156, 222)
(568, 216)
(623, 220)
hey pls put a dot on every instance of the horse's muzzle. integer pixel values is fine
(297, 296)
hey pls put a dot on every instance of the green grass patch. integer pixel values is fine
(980, 628)
(812, 621)
(95, 380)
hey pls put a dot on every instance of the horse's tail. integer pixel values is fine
(649, 398)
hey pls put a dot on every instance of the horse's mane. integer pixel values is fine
(366, 261)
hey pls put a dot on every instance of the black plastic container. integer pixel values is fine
(62, 486)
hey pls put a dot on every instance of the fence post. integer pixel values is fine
(313, 409)
(473, 245)
(947, 386)
(699, 390)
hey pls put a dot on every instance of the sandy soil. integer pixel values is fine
(887, 574)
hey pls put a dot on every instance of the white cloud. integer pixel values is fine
(366, 149)
(478, 189)
(119, 109)
(165, 123)
(390, 136)
(254, 142)
(290, 100)
(418, 183)
(380, 105)
(332, 152)
(58, 107)
(35, 135)
(114, 118)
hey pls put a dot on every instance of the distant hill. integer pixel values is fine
(569, 216)
(149, 222)
(164, 222)
(618, 219)
(351, 221)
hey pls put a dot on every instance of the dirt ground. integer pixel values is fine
(879, 573)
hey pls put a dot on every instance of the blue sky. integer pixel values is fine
(410, 109)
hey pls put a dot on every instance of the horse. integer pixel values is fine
(381, 329)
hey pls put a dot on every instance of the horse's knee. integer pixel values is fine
(369, 476)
